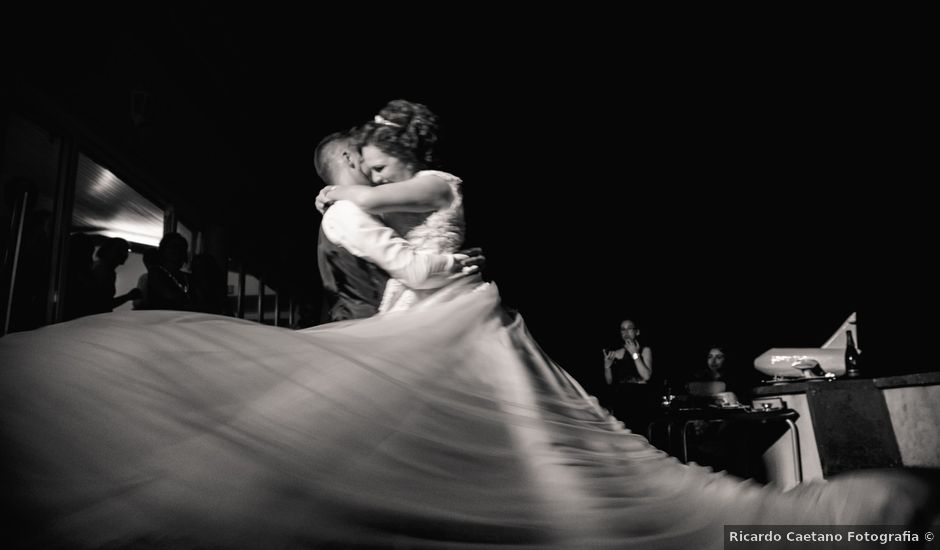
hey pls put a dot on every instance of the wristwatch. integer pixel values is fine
(636, 356)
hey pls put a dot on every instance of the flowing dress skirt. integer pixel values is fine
(441, 427)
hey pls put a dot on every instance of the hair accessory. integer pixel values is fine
(379, 119)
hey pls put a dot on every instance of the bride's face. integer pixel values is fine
(383, 168)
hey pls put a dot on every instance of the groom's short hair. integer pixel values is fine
(326, 156)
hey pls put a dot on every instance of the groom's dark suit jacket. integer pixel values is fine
(353, 287)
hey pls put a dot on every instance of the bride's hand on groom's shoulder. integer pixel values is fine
(469, 261)
(322, 201)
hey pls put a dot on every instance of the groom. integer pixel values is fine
(357, 253)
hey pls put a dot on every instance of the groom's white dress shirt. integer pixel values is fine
(363, 235)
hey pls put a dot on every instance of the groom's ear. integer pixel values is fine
(349, 160)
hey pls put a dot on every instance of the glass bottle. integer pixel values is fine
(852, 367)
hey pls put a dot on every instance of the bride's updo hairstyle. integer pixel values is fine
(405, 130)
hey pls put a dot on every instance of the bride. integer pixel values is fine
(439, 423)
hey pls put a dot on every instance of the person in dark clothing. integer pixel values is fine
(111, 254)
(168, 286)
(627, 371)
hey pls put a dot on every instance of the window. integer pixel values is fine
(105, 205)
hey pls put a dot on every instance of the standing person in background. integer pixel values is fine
(168, 286)
(627, 371)
(111, 254)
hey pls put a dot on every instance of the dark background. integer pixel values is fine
(727, 185)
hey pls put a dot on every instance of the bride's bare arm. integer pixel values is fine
(424, 193)
(364, 236)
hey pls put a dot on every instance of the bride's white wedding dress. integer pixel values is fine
(440, 231)
(439, 425)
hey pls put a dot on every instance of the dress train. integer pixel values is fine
(442, 427)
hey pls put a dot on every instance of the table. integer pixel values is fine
(851, 424)
(683, 417)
